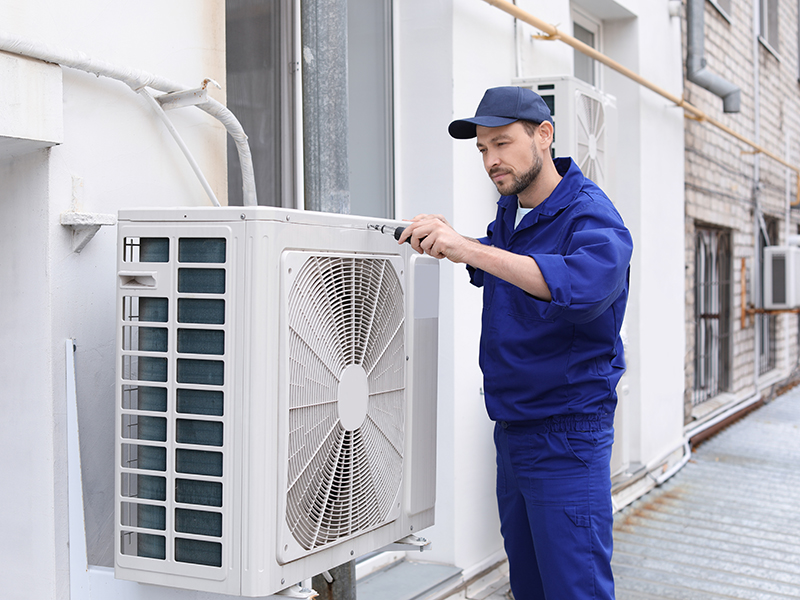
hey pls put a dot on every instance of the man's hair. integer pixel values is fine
(530, 126)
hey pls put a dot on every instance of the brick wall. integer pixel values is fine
(721, 186)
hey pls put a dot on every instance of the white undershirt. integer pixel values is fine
(521, 212)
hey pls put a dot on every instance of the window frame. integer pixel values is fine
(595, 26)
(726, 13)
(769, 28)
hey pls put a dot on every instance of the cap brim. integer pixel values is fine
(464, 129)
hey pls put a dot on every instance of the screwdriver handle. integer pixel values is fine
(398, 231)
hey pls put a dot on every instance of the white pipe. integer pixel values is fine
(181, 144)
(78, 556)
(138, 80)
(687, 454)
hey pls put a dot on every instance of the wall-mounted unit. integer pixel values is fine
(276, 395)
(584, 120)
(781, 277)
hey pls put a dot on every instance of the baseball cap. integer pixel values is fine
(502, 106)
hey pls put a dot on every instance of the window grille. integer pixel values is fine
(712, 306)
(767, 324)
(768, 27)
(171, 421)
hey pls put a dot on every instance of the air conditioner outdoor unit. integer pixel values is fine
(276, 395)
(584, 120)
(781, 277)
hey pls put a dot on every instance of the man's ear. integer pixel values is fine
(544, 135)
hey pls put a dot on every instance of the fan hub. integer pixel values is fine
(593, 146)
(353, 397)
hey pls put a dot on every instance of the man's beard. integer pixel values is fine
(519, 182)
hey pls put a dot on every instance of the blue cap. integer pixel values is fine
(502, 106)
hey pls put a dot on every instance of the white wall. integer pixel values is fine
(30, 558)
(650, 197)
(115, 154)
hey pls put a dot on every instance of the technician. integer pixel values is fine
(554, 267)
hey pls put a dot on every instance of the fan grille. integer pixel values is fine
(591, 131)
(343, 311)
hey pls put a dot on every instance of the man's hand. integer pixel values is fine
(433, 235)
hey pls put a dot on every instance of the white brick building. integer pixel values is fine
(734, 198)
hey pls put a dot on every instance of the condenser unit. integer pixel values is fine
(584, 120)
(276, 395)
(781, 277)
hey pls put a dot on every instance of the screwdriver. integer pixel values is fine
(389, 229)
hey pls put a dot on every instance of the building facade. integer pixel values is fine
(358, 123)
(738, 201)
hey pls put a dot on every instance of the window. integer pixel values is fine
(712, 309)
(723, 6)
(345, 60)
(587, 30)
(767, 324)
(768, 29)
(260, 93)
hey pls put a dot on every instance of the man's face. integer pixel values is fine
(510, 157)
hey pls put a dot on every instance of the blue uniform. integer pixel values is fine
(550, 372)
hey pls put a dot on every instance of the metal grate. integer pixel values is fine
(346, 397)
(590, 137)
(172, 404)
(712, 314)
(767, 324)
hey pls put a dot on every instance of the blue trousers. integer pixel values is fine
(554, 497)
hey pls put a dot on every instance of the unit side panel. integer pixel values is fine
(175, 485)
(423, 314)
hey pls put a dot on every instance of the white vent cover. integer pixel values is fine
(584, 119)
(590, 142)
(781, 277)
(346, 397)
(276, 395)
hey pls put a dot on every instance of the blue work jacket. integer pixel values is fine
(563, 357)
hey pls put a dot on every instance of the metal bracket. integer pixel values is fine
(185, 98)
(409, 543)
(295, 591)
(84, 226)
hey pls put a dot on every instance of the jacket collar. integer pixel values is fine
(567, 189)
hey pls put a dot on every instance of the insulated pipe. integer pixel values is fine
(696, 70)
(138, 80)
(181, 144)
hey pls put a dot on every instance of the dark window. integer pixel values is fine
(712, 309)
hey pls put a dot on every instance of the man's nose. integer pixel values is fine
(490, 160)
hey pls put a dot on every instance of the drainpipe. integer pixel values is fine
(696, 70)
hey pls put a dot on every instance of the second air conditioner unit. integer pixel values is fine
(276, 395)
(781, 277)
(584, 120)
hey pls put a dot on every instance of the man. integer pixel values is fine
(554, 270)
